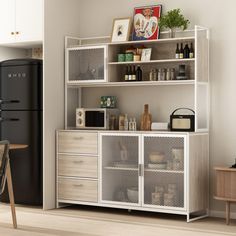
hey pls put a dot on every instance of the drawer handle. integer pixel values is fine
(78, 138)
(78, 185)
(78, 162)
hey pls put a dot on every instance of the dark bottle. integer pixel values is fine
(139, 74)
(126, 73)
(186, 51)
(133, 74)
(129, 73)
(191, 51)
(177, 52)
(181, 52)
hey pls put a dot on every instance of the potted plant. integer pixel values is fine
(173, 19)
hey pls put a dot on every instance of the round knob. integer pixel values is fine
(12, 33)
(17, 32)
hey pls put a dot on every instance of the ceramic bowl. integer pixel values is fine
(156, 157)
(132, 194)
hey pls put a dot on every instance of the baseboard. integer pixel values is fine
(221, 214)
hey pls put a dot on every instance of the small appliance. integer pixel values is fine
(182, 122)
(94, 118)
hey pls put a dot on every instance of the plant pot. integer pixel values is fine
(172, 33)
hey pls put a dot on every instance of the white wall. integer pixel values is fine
(96, 20)
(7, 53)
(60, 19)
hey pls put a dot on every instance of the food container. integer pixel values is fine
(129, 56)
(169, 199)
(132, 194)
(121, 57)
(157, 199)
(137, 57)
(156, 157)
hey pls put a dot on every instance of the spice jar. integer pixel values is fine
(161, 74)
(172, 74)
(153, 75)
(168, 74)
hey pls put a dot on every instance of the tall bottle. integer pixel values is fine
(129, 73)
(146, 119)
(126, 122)
(126, 73)
(191, 51)
(181, 52)
(139, 74)
(177, 52)
(133, 74)
(186, 51)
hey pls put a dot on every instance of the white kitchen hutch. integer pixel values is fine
(88, 167)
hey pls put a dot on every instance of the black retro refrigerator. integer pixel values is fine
(21, 123)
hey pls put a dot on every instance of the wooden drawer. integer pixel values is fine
(78, 166)
(77, 190)
(78, 142)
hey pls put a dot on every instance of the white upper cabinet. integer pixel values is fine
(21, 21)
(7, 21)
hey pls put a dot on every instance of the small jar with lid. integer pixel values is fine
(153, 75)
(161, 75)
(168, 74)
(172, 74)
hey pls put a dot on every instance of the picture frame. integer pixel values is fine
(121, 29)
(146, 54)
(145, 22)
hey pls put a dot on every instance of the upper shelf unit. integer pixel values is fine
(91, 63)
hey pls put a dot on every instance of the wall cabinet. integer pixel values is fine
(125, 175)
(21, 21)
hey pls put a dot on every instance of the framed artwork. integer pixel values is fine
(121, 29)
(146, 54)
(146, 22)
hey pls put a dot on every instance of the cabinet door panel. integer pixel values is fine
(164, 168)
(120, 169)
(29, 20)
(7, 21)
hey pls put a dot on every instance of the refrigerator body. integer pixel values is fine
(21, 123)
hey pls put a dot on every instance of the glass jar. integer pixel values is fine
(172, 74)
(153, 75)
(168, 71)
(161, 75)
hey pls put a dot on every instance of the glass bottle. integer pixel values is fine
(139, 74)
(177, 52)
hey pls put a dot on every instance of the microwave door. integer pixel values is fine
(94, 119)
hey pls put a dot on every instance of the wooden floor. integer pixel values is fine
(106, 222)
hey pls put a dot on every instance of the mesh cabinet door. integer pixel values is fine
(120, 182)
(164, 168)
(86, 64)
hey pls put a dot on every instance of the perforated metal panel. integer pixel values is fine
(164, 171)
(120, 175)
(86, 64)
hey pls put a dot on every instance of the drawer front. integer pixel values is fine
(78, 166)
(78, 142)
(77, 190)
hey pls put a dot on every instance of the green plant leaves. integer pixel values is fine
(173, 19)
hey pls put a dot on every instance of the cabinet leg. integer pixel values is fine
(11, 195)
(227, 212)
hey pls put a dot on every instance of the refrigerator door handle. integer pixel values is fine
(8, 119)
(8, 101)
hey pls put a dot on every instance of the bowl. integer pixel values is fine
(156, 157)
(132, 194)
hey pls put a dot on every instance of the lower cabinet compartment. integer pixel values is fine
(77, 189)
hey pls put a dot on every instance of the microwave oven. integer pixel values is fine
(97, 118)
